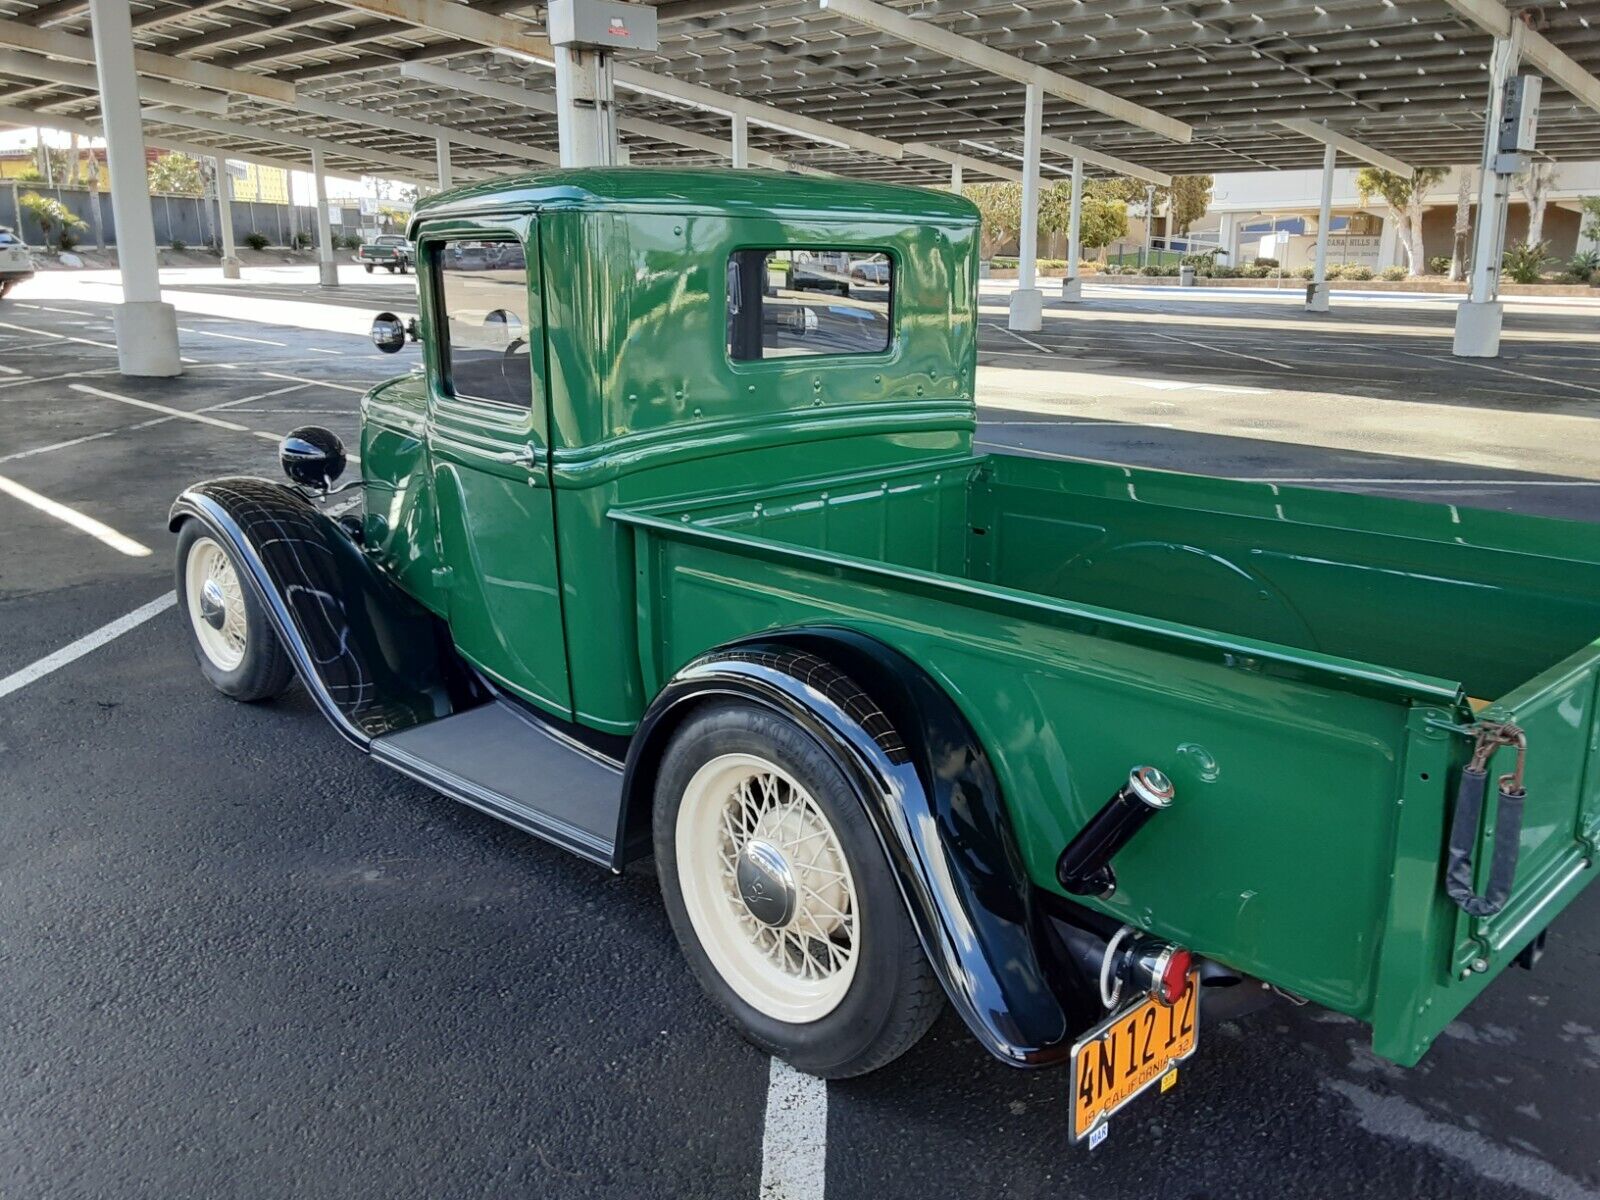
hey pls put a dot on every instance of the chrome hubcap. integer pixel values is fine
(767, 887)
(766, 884)
(213, 604)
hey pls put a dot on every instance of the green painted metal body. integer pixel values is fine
(1299, 662)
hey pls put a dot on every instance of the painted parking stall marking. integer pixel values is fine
(101, 532)
(75, 650)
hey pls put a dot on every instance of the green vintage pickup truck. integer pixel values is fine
(662, 554)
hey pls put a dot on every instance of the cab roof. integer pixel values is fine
(727, 191)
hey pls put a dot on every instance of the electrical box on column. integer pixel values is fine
(585, 34)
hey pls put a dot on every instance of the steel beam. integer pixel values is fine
(28, 118)
(520, 97)
(1109, 162)
(423, 129)
(1339, 141)
(32, 66)
(146, 62)
(1537, 50)
(997, 62)
(962, 162)
(498, 33)
(458, 20)
(414, 168)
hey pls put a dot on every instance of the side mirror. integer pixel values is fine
(312, 456)
(388, 333)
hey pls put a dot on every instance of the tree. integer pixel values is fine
(1463, 228)
(1535, 182)
(177, 175)
(1591, 217)
(1104, 221)
(1191, 196)
(1000, 209)
(1404, 196)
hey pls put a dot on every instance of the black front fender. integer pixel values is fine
(370, 656)
(935, 803)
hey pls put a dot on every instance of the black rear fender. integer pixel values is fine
(934, 801)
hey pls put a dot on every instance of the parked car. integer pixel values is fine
(1091, 752)
(15, 262)
(874, 271)
(387, 250)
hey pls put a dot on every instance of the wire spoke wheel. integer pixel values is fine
(767, 888)
(216, 605)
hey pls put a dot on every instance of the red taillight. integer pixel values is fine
(1174, 981)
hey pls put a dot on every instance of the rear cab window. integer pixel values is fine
(792, 302)
(484, 320)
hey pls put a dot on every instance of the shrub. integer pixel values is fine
(1523, 263)
(57, 222)
(1307, 272)
(1583, 266)
(179, 245)
(1150, 269)
(1394, 274)
(1439, 264)
(1357, 271)
(302, 241)
(350, 242)
(1263, 261)
(1204, 262)
(256, 241)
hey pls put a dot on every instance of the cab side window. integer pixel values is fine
(484, 319)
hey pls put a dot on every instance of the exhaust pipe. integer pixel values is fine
(1084, 867)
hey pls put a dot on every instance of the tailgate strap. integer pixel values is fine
(1466, 826)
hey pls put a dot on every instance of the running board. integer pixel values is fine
(511, 765)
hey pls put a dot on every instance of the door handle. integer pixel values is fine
(526, 457)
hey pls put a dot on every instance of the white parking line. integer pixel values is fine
(71, 516)
(233, 337)
(338, 387)
(1271, 362)
(794, 1148)
(106, 433)
(185, 414)
(1025, 341)
(73, 651)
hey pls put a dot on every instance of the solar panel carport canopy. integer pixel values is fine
(1408, 78)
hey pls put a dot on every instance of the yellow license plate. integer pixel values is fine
(1124, 1055)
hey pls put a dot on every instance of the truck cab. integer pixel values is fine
(637, 336)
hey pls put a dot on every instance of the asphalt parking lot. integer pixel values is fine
(241, 960)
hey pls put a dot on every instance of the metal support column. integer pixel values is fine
(96, 217)
(1317, 289)
(441, 152)
(1027, 302)
(741, 140)
(955, 178)
(147, 329)
(327, 268)
(1477, 333)
(230, 258)
(585, 119)
(1072, 286)
(1149, 223)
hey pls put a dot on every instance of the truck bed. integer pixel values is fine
(1303, 663)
